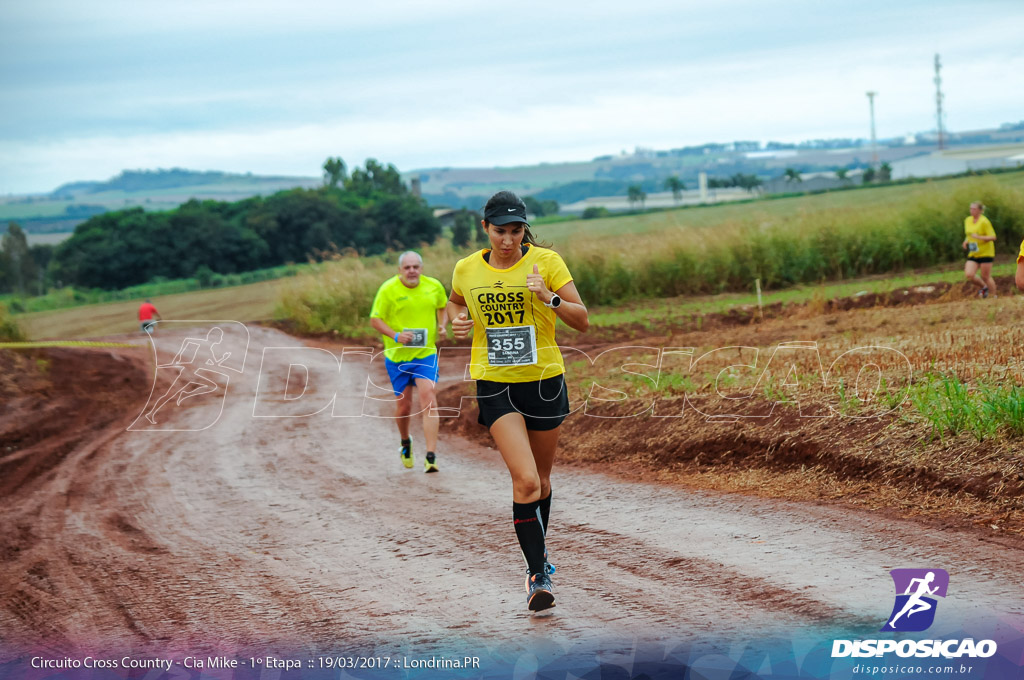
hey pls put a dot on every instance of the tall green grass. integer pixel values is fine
(807, 246)
(822, 240)
(337, 294)
(953, 407)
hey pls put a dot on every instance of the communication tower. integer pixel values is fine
(938, 100)
(874, 144)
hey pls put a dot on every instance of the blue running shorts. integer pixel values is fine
(404, 373)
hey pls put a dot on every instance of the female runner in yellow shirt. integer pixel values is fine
(509, 296)
(980, 244)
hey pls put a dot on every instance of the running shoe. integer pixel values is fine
(430, 464)
(540, 594)
(983, 293)
(406, 453)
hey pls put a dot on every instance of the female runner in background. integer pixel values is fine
(980, 244)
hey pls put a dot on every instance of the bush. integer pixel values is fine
(204, 275)
(9, 330)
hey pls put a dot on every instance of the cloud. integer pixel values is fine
(93, 88)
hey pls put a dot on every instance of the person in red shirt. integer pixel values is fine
(148, 316)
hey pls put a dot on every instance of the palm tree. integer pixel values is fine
(676, 186)
(334, 171)
(792, 175)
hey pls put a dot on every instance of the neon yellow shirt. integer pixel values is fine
(513, 332)
(984, 228)
(405, 308)
(1020, 258)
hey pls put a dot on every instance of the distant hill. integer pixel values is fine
(148, 181)
(70, 204)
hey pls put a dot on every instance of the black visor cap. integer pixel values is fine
(506, 213)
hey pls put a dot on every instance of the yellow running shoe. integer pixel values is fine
(406, 453)
(430, 463)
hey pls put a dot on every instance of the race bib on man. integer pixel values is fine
(419, 337)
(512, 346)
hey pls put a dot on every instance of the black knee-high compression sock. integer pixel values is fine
(530, 532)
(545, 512)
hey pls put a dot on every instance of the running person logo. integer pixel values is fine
(204, 355)
(916, 589)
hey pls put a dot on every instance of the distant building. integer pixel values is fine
(812, 181)
(446, 216)
(959, 160)
(661, 199)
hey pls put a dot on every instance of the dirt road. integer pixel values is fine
(305, 532)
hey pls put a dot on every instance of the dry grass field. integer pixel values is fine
(253, 302)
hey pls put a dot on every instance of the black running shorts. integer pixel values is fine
(543, 403)
(981, 260)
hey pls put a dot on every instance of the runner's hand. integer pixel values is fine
(461, 326)
(535, 282)
(404, 337)
(442, 332)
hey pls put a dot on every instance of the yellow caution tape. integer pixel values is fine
(64, 343)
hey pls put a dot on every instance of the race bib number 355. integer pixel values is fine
(512, 346)
(419, 337)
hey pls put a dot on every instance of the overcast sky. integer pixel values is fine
(93, 87)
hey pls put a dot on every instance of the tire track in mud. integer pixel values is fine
(307, 534)
(727, 585)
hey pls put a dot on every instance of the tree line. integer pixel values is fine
(368, 211)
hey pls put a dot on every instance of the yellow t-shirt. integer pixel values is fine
(984, 228)
(513, 332)
(405, 308)
(1020, 258)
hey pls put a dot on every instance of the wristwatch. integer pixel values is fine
(554, 302)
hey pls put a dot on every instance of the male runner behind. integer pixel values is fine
(409, 311)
